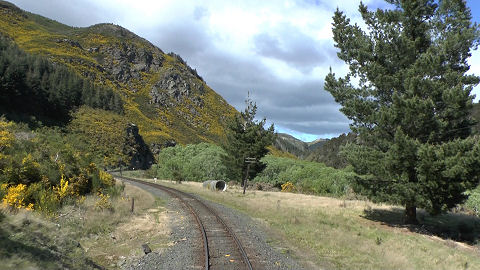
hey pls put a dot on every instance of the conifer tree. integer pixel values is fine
(246, 138)
(410, 102)
(31, 85)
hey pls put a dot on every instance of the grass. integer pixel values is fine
(81, 236)
(347, 234)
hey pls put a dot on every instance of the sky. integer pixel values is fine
(278, 52)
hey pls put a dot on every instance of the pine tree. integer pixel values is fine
(246, 138)
(410, 102)
(30, 85)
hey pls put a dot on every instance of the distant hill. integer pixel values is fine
(164, 97)
(328, 153)
(312, 146)
(298, 148)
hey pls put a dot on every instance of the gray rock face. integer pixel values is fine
(125, 61)
(70, 42)
(157, 147)
(176, 87)
(137, 149)
(120, 61)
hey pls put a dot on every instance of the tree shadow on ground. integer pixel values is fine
(11, 247)
(454, 226)
(29, 241)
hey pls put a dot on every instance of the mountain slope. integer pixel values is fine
(329, 152)
(163, 96)
(292, 145)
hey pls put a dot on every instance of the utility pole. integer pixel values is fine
(249, 161)
(158, 163)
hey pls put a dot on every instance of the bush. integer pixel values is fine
(307, 177)
(15, 197)
(288, 187)
(194, 162)
(43, 171)
(473, 201)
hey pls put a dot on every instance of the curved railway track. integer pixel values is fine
(221, 247)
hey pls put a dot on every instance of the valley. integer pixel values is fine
(83, 109)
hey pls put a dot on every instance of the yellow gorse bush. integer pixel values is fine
(288, 187)
(106, 178)
(104, 202)
(15, 196)
(6, 137)
(62, 191)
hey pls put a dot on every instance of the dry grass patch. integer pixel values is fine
(117, 236)
(338, 234)
(82, 235)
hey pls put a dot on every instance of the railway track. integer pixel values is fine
(221, 247)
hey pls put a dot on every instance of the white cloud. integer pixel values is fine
(279, 50)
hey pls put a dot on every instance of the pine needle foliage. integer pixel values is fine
(32, 86)
(246, 138)
(411, 105)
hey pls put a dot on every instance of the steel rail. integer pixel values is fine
(192, 211)
(173, 192)
(239, 245)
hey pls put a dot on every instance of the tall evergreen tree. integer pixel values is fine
(246, 138)
(412, 101)
(32, 86)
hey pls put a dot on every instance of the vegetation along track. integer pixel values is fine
(221, 247)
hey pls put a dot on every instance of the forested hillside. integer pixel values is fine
(161, 94)
(329, 152)
(296, 147)
(34, 88)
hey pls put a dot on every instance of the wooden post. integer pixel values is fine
(246, 178)
(133, 204)
(249, 161)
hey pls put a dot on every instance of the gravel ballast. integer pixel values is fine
(184, 252)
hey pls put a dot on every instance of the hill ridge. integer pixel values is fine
(165, 97)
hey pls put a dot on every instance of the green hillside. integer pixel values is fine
(296, 147)
(162, 95)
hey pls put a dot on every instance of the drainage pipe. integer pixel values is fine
(216, 185)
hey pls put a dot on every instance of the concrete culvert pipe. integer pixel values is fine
(217, 185)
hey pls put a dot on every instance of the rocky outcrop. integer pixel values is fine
(70, 42)
(125, 61)
(176, 87)
(161, 92)
(157, 147)
(136, 148)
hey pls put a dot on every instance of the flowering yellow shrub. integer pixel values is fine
(288, 187)
(30, 170)
(3, 190)
(62, 191)
(6, 137)
(15, 196)
(91, 168)
(79, 184)
(104, 202)
(106, 178)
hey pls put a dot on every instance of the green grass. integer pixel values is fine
(341, 234)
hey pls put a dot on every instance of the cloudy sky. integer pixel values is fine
(279, 51)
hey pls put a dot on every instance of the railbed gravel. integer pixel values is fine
(183, 254)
